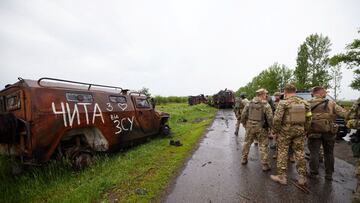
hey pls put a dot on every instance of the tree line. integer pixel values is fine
(314, 67)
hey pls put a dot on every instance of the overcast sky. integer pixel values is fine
(183, 47)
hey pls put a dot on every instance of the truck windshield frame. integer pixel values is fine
(142, 103)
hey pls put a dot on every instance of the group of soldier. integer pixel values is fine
(291, 121)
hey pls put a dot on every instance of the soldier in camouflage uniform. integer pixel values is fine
(257, 118)
(239, 107)
(292, 118)
(323, 131)
(277, 96)
(353, 122)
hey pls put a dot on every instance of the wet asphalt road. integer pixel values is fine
(214, 173)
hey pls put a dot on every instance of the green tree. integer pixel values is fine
(285, 76)
(313, 62)
(336, 75)
(301, 73)
(273, 79)
(145, 91)
(352, 60)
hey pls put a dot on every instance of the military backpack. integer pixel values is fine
(323, 119)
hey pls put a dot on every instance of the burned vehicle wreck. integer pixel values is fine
(194, 100)
(50, 118)
(224, 99)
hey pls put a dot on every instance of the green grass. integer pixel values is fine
(346, 104)
(171, 99)
(146, 168)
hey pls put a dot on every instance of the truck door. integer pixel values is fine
(145, 115)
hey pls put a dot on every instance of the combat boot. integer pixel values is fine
(244, 161)
(279, 178)
(301, 180)
(266, 167)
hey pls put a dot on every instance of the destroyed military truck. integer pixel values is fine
(194, 100)
(54, 118)
(224, 99)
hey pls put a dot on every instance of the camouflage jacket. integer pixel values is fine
(239, 107)
(276, 103)
(354, 112)
(334, 108)
(282, 112)
(267, 112)
(353, 116)
(323, 108)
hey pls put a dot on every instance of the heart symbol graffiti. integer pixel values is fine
(123, 106)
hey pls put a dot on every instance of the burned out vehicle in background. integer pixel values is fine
(224, 99)
(194, 100)
(59, 118)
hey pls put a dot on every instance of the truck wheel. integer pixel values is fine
(81, 159)
(165, 130)
(16, 168)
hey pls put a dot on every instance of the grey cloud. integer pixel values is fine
(172, 47)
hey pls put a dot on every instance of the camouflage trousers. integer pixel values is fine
(260, 134)
(237, 126)
(294, 138)
(357, 173)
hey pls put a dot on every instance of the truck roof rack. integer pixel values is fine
(75, 82)
(137, 93)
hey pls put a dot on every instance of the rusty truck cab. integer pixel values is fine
(48, 117)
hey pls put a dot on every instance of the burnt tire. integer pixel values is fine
(165, 130)
(82, 159)
(16, 168)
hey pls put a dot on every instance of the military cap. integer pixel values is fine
(290, 88)
(277, 94)
(317, 88)
(261, 91)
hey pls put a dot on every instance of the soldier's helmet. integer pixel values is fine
(277, 94)
(242, 95)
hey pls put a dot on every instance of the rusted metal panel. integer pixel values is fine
(51, 113)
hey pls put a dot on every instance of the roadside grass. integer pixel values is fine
(170, 99)
(138, 174)
(346, 104)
